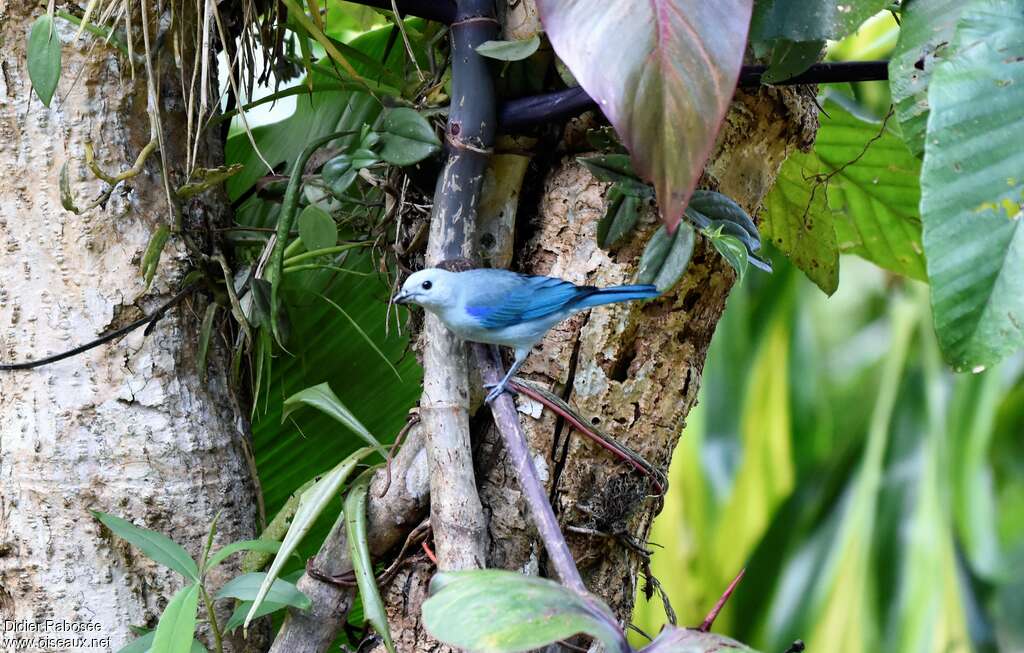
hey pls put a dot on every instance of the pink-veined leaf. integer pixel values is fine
(663, 71)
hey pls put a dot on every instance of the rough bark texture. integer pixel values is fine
(127, 428)
(632, 370)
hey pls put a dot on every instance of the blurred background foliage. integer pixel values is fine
(875, 498)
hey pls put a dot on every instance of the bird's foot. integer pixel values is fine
(496, 389)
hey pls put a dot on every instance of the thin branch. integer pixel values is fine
(150, 319)
(710, 619)
(506, 418)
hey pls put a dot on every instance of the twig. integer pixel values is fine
(506, 418)
(710, 619)
(150, 319)
(620, 451)
(113, 180)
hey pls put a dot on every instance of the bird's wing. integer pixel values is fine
(509, 301)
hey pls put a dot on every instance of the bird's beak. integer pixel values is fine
(401, 298)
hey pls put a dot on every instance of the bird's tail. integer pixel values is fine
(616, 294)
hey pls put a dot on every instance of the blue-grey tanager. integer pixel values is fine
(500, 307)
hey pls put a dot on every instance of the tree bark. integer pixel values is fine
(127, 428)
(633, 370)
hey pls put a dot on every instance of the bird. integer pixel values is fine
(501, 307)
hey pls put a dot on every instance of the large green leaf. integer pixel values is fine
(810, 20)
(856, 193)
(495, 611)
(222, 554)
(177, 623)
(873, 191)
(406, 137)
(157, 546)
(247, 587)
(311, 505)
(925, 29)
(798, 222)
(972, 187)
(323, 398)
(43, 54)
(362, 564)
(663, 71)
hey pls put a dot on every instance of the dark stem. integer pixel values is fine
(537, 109)
(150, 319)
(506, 418)
(833, 72)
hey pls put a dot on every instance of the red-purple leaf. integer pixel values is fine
(663, 71)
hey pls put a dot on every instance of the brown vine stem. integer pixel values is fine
(506, 417)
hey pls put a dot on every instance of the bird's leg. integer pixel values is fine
(501, 386)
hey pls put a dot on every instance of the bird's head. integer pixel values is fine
(431, 288)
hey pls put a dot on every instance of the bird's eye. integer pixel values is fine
(427, 285)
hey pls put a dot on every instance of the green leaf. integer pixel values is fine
(362, 564)
(156, 546)
(926, 28)
(874, 192)
(689, 640)
(155, 248)
(972, 188)
(666, 257)
(177, 624)
(67, 198)
(733, 250)
(617, 169)
(798, 222)
(810, 20)
(44, 58)
(709, 209)
(263, 546)
(509, 50)
(407, 137)
(339, 173)
(317, 228)
(248, 586)
(664, 76)
(141, 644)
(623, 212)
(790, 58)
(323, 398)
(144, 643)
(242, 609)
(495, 611)
(311, 505)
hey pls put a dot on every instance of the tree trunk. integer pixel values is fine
(126, 428)
(633, 370)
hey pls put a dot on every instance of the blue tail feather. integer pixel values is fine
(616, 294)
